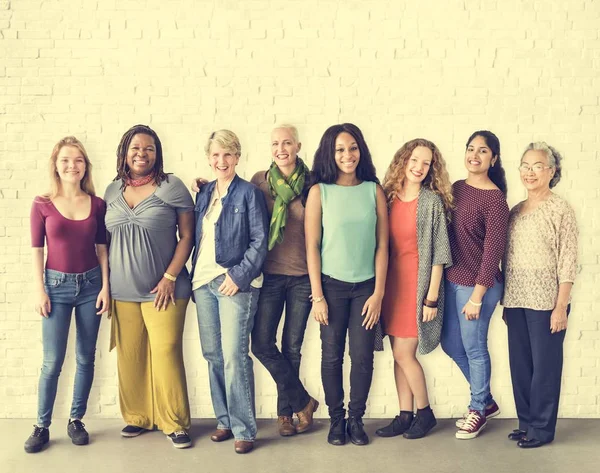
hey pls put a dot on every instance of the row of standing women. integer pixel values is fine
(421, 253)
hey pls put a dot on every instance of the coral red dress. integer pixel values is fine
(399, 314)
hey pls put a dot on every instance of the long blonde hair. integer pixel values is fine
(87, 185)
(437, 178)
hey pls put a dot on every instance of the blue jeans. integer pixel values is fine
(67, 291)
(225, 324)
(284, 365)
(465, 341)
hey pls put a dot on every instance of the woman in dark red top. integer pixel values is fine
(474, 285)
(70, 221)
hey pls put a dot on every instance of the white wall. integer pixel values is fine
(398, 69)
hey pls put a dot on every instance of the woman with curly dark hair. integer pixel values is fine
(346, 226)
(150, 220)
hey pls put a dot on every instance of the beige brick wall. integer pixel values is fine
(398, 69)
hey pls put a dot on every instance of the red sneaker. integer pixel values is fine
(472, 426)
(490, 411)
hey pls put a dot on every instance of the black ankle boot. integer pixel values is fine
(424, 421)
(398, 426)
(356, 432)
(337, 431)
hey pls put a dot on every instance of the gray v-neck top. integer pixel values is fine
(143, 240)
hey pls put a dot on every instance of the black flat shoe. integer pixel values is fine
(530, 443)
(517, 435)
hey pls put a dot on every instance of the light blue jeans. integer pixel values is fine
(465, 341)
(67, 291)
(225, 324)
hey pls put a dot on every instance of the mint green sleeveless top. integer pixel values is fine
(349, 220)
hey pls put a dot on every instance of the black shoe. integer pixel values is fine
(517, 435)
(530, 443)
(423, 422)
(38, 438)
(180, 439)
(337, 431)
(398, 426)
(77, 433)
(132, 431)
(356, 432)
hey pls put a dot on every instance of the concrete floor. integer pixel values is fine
(577, 448)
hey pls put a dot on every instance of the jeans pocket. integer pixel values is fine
(52, 282)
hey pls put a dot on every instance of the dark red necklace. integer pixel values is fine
(140, 181)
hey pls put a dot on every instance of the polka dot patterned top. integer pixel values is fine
(477, 235)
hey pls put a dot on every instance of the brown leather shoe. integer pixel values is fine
(221, 434)
(286, 426)
(243, 446)
(305, 416)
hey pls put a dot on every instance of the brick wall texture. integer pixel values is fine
(527, 70)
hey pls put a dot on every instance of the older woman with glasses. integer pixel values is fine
(540, 267)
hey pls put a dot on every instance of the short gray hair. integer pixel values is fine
(554, 158)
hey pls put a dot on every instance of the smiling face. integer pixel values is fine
(222, 161)
(70, 165)
(141, 155)
(347, 154)
(478, 157)
(284, 148)
(418, 164)
(535, 170)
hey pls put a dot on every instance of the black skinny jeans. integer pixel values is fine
(293, 292)
(345, 302)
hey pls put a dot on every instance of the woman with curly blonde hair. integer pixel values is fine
(419, 200)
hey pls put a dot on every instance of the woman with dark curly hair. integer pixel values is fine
(539, 269)
(417, 187)
(146, 212)
(346, 226)
(474, 282)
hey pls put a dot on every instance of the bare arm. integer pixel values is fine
(437, 271)
(372, 307)
(313, 234)
(558, 319)
(42, 304)
(165, 289)
(103, 300)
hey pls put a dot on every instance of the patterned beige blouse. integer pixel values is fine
(541, 253)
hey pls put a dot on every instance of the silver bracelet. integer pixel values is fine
(474, 303)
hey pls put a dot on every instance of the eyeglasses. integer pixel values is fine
(536, 168)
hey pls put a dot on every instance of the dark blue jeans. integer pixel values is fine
(345, 302)
(536, 360)
(293, 292)
(67, 292)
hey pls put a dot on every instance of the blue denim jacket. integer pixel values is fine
(241, 233)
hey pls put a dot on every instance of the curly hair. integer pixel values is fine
(437, 178)
(554, 159)
(123, 168)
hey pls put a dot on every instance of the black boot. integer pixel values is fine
(424, 421)
(337, 431)
(398, 426)
(356, 431)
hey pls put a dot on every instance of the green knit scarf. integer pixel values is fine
(283, 190)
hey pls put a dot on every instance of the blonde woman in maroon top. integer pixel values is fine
(474, 284)
(69, 220)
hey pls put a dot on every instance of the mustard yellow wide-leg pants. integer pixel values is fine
(152, 384)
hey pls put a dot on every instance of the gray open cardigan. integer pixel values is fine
(433, 248)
